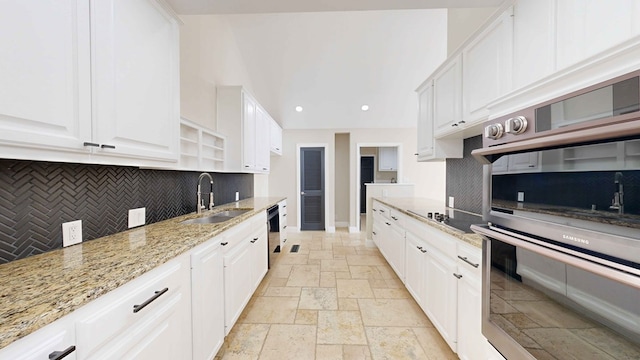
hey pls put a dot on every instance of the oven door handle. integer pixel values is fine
(619, 275)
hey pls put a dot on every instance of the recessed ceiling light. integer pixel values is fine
(365, 107)
(299, 108)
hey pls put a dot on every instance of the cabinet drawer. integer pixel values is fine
(108, 317)
(381, 209)
(245, 229)
(469, 258)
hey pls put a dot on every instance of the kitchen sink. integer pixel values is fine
(217, 217)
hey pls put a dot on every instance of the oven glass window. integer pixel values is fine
(557, 311)
(613, 100)
(595, 183)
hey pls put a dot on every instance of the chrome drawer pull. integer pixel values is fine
(86, 143)
(224, 243)
(57, 355)
(419, 247)
(458, 276)
(107, 146)
(137, 308)
(254, 240)
(467, 261)
(423, 251)
(387, 223)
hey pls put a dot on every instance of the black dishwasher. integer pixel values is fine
(273, 232)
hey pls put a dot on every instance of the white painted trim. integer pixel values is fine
(342, 224)
(353, 229)
(357, 182)
(326, 182)
(330, 229)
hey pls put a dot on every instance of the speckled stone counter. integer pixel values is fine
(414, 206)
(40, 289)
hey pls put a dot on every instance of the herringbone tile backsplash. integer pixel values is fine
(464, 178)
(37, 197)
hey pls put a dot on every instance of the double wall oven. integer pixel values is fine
(561, 251)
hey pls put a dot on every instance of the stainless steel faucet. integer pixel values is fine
(618, 197)
(200, 205)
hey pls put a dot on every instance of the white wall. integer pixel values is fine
(461, 23)
(342, 178)
(429, 178)
(209, 57)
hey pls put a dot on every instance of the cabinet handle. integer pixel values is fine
(156, 295)
(284, 206)
(423, 251)
(394, 218)
(532, 166)
(419, 247)
(284, 215)
(374, 209)
(465, 259)
(387, 223)
(458, 276)
(278, 149)
(254, 240)
(461, 122)
(264, 169)
(107, 146)
(381, 210)
(284, 227)
(57, 355)
(374, 233)
(246, 166)
(454, 124)
(224, 243)
(416, 154)
(90, 144)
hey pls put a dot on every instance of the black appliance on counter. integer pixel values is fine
(561, 251)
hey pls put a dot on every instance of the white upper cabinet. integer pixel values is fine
(447, 96)
(487, 68)
(276, 137)
(135, 79)
(247, 129)
(78, 85)
(388, 158)
(585, 28)
(45, 70)
(533, 41)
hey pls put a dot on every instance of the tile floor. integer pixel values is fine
(334, 299)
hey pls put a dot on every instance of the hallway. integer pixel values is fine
(334, 299)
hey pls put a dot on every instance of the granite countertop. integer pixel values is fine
(40, 289)
(418, 208)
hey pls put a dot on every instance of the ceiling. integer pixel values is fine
(299, 53)
(192, 7)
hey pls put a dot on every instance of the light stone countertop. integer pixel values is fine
(40, 289)
(421, 205)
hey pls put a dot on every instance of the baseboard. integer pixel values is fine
(330, 229)
(354, 229)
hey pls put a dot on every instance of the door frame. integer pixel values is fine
(325, 146)
(375, 157)
(356, 183)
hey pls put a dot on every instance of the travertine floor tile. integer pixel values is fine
(271, 310)
(392, 312)
(334, 265)
(340, 327)
(365, 272)
(321, 254)
(433, 344)
(391, 294)
(307, 317)
(329, 352)
(282, 291)
(359, 289)
(292, 342)
(244, 342)
(356, 352)
(365, 260)
(304, 276)
(348, 304)
(328, 279)
(318, 299)
(394, 343)
(293, 259)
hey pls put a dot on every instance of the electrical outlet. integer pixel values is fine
(237, 195)
(520, 196)
(137, 217)
(71, 233)
(451, 202)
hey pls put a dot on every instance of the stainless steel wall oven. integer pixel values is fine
(561, 256)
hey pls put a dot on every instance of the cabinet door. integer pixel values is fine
(260, 257)
(501, 165)
(262, 142)
(441, 295)
(415, 266)
(523, 162)
(395, 250)
(207, 283)
(276, 137)
(586, 28)
(135, 79)
(447, 96)
(282, 217)
(248, 133)
(471, 342)
(533, 40)
(388, 159)
(45, 70)
(487, 68)
(425, 122)
(237, 283)
(59, 336)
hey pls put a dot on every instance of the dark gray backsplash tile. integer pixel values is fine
(464, 178)
(37, 197)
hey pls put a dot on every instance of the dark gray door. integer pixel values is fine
(366, 177)
(312, 188)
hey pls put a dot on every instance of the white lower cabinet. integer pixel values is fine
(282, 220)
(51, 342)
(207, 299)
(147, 318)
(441, 272)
